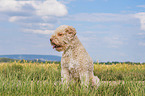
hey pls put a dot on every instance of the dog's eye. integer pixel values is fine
(60, 34)
(69, 31)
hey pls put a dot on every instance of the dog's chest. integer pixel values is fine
(71, 63)
(74, 68)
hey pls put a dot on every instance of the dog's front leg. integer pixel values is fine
(84, 77)
(65, 78)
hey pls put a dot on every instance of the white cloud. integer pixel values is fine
(101, 17)
(46, 25)
(42, 26)
(114, 41)
(66, 1)
(141, 17)
(39, 31)
(17, 18)
(142, 6)
(33, 14)
(10, 5)
(142, 43)
(47, 7)
(50, 7)
(141, 34)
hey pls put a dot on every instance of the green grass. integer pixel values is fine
(35, 79)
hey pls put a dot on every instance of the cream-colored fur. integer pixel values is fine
(76, 63)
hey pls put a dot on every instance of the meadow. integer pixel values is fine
(43, 79)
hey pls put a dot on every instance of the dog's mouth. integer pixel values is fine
(56, 46)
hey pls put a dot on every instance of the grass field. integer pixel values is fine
(42, 79)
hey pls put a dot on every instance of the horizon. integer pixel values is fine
(60, 56)
(28, 54)
(109, 30)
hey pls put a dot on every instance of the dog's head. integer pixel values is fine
(62, 37)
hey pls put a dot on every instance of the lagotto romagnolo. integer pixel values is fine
(76, 63)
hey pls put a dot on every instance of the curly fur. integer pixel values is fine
(76, 63)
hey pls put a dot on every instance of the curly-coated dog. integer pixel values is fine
(76, 63)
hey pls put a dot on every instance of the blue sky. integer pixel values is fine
(110, 30)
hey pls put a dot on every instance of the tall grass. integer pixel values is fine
(120, 72)
(38, 79)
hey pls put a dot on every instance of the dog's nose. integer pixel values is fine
(51, 39)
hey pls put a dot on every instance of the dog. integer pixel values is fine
(76, 64)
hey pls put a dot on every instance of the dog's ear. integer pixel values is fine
(71, 30)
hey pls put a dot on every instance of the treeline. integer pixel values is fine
(57, 62)
(28, 61)
(110, 63)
